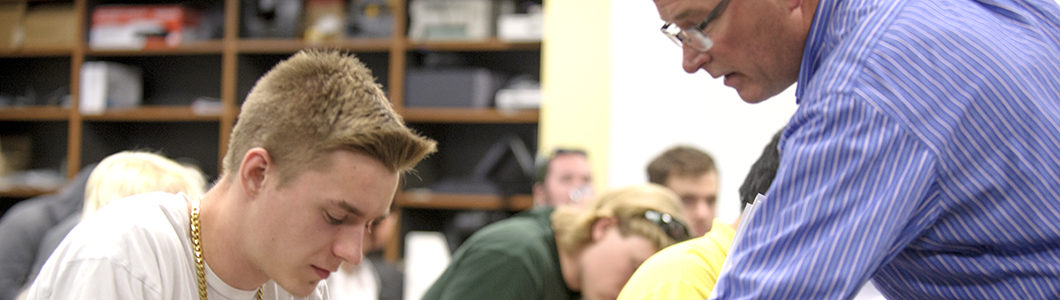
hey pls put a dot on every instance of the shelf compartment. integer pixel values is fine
(469, 115)
(174, 80)
(21, 192)
(287, 46)
(37, 52)
(460, 201)
(194, 48)
(34, 113)
(154, 114)
(188, 142)
(492, 44)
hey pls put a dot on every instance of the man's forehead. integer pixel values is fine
(686, 13)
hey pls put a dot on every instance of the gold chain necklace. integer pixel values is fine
(196, 246)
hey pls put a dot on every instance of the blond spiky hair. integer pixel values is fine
(316, 102)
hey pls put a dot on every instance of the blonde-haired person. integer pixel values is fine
(314, 159)
(118, 176)
(129, 173)
(565, 253)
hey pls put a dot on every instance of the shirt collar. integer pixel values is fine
(815, 49)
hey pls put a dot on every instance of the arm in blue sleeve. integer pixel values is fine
(853, 188)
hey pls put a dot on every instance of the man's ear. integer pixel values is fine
(600, 227)
(539, 194)
(256, 162)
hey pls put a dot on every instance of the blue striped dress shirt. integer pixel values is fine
(925, 154)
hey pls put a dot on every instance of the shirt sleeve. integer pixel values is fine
(853, 188)
(684, 271)
(485, 274)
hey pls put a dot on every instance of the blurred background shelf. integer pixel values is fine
(286, 46)
(196, 48)
(492, 44)
(37, 52)
(463, 201)
(24, 192)
(469, 115)
(34, 113)
(154, 114)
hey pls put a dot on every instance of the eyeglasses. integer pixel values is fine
(694, 37)
(577, 194)
(672, 227)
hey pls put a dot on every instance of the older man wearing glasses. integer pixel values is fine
(923, 153)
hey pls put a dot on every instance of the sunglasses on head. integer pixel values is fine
(669, 225)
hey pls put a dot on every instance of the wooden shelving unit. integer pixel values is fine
(204, 47)
(454, 201)
(154, 114)
(484, 45)
(464, 115)
(276, 46)
(24, 192)
(34, 113)
(37, 52)
(225, 69)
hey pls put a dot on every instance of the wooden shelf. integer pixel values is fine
(37, 52)
(195, 48)
(24, 192)
(34, 113)
(457, 201)
(492, 44)
(469, 115)
(285, 46)
(153, 114)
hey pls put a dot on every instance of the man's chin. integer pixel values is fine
(752, 95)
(301, 290)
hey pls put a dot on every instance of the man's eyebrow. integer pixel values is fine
(350, 209)
(683, 14)
(357, 212)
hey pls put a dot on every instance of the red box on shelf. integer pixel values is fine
(141, 26)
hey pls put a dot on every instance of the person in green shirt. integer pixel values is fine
(566, 252)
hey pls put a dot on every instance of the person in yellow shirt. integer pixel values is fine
(688, 270)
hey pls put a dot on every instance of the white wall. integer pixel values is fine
(656, 105)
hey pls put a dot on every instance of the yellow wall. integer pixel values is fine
(576, 81)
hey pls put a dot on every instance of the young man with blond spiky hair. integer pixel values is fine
(314, 160)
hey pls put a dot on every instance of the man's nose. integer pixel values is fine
(348, 245)
(692, 59)
(701, 209)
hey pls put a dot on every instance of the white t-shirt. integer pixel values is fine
(137, 248)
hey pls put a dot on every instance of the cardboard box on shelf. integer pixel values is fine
(50, 25)
(140, 26)
(17, 153)
(325, 20)
(11, 24)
